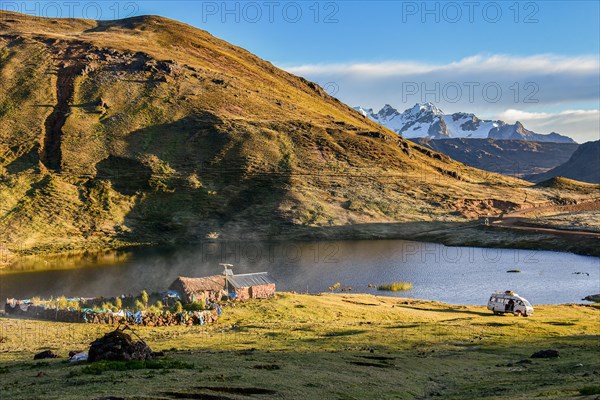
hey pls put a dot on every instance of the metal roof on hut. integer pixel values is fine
(188, 287)
(250, 286)
(249, 280)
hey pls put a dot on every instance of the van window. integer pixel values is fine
(493, 299)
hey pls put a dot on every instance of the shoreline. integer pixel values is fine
(379, 297)
(452, 234)
(353, 299)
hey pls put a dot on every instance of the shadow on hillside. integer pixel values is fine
(105, 25)
(127, 176)
(200, 175)
(464, 234)
(417, 230)
(25, 161)
(192, 178)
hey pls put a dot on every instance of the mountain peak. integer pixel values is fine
(387, 111)
(429, 106)
(364, 111)
(427, 120)
(423, 108)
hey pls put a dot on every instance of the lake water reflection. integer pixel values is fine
(459, 275)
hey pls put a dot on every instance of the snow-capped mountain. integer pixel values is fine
(426, 120)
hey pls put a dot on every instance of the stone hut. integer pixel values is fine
(199, 289)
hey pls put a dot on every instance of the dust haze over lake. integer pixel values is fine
(459, 275)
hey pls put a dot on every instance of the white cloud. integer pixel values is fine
(581, 125)
(542, 116)
(486, 85)
(522, 82)
(538, 64)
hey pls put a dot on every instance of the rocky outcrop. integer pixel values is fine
(438, 130)
(593, 297)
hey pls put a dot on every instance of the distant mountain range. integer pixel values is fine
(509, 157)
(584, 166)
(428, 121)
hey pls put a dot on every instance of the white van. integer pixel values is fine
(509, 302)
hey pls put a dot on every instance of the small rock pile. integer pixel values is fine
(45, 354)
(550, 353)
(118, 346)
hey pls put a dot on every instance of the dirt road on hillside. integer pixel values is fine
(518, 220)
(590, 205)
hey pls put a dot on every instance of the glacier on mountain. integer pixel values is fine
(425, 120)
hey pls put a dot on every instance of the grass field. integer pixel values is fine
(578, 221)
(329, 346)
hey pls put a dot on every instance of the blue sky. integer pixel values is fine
(542, 55)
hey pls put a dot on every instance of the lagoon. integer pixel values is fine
(456, 275)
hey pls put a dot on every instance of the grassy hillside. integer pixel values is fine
(147, 130)
(327, 346)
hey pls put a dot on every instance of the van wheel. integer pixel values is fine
(496, 313)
